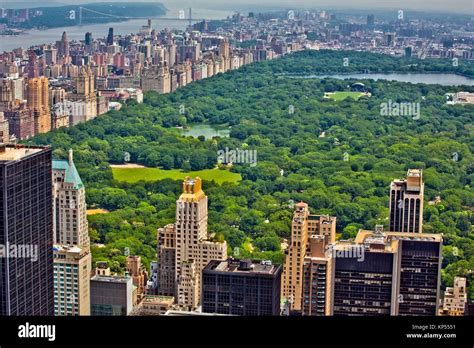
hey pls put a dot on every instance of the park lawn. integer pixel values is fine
(154, 174)
(337, 96)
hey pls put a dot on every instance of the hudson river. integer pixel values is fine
(37, 37)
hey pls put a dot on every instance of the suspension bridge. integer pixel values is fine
(181, 16)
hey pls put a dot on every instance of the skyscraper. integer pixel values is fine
(390, 39)
(72, 270)
(317, 279)
(11, 92)
(26, 231)
(241, 287)
(63, 46)
(33, 70)
(387, 273)
(166, 267)
(88, 39)
(194, 250)
(21, 122)
(294, 257)
(85, 94)
(406, 203)
(419, 273)
(110, 37)
(364, 278)
(370, 20)
(156, 79)
(304, 226)
(70, 219)
(72, 258)
(138, 274)
(38, 103)
(50, 55)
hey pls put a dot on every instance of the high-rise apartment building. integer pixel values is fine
(50, 56)
(26, 231)
(63, 46)
(138, 274)
(292, 279)
(88, 39)
(32, 68)
(38, 103)
(194, 250)
(11, 92)
(72, 258)
(4, 129)
(455, 298)
(110, 37)
(156, 79)
(387, 273)
(317, 279)
(224, 48)
(21, 122)
(85, 94)
(390, 39)
(72, 270)
(70, 211)
(241, 287)
(304, 226)
(166, 265)
(406, 203)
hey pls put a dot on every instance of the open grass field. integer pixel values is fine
(96, 211)
(336, 96)
(154, 174)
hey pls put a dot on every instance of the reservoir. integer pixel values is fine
(428, 78)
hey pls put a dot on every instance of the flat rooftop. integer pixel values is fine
(235, 266)
(110, 279)
(425, 237)
(157, 299)
(64, 248)
(15, 153)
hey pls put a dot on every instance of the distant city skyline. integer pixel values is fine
(460, 6)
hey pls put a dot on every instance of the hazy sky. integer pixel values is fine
(459, 6)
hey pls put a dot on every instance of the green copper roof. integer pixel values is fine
(71, 176)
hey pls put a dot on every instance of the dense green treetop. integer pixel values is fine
(338, 156)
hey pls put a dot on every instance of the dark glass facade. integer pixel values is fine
(241, 292)
(363, 287)
(26, 284)
(111, 296)
(419, 278)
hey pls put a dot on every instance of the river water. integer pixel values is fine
(38, 37)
